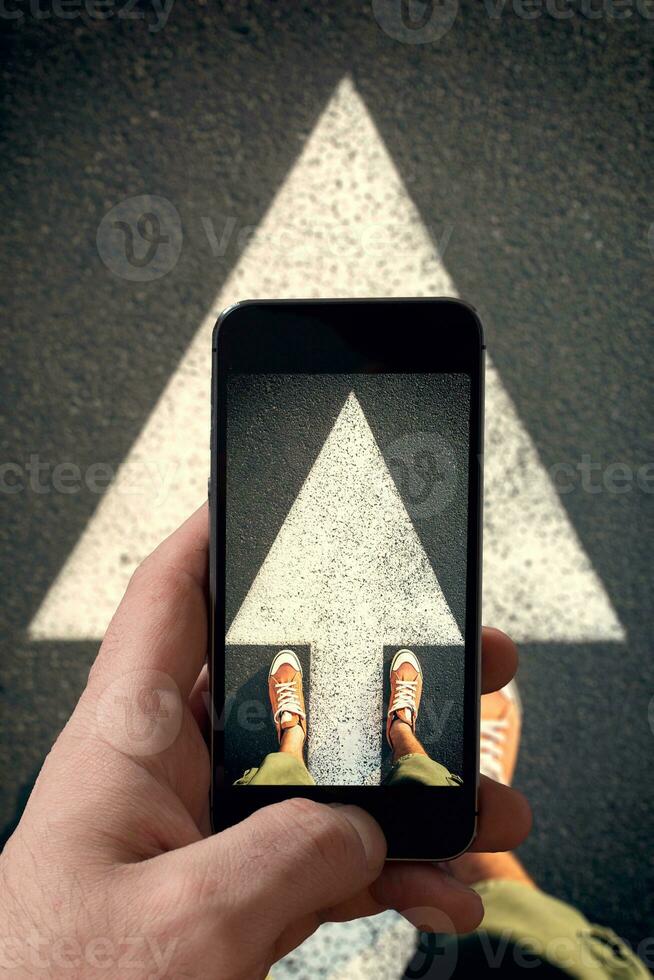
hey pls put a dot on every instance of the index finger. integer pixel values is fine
(161, 622)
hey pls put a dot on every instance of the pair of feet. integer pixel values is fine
(500, 711)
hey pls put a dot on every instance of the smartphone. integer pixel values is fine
(345, 500)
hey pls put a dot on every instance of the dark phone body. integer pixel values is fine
(318, 337)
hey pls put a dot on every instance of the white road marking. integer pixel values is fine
(346, 574)
(376, 948)
(385, 959)
(342, 224)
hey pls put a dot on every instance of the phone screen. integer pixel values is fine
(346, 467)
(346, 540)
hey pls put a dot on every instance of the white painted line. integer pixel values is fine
(377, 948)
(385, 959)
(342, 224)
(347, 575)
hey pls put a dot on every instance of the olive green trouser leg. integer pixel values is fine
(416, 768)
(278, 769)
(284, 769)
(526, 931)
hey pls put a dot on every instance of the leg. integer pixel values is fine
(285, 767)
(411, 763)
(524, 928)
(278, 769)
(403, 739)
(501, 718)
(472, 868)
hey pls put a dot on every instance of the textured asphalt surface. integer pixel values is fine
(528, 140)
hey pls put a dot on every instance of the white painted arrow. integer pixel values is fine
(342, 224)
(347, 575)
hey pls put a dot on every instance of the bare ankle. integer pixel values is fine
(473, 867)
(292, 741)
(403, 740)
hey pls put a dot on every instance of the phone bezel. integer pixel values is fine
(332, 336)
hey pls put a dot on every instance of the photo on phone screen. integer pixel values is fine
(346, 503)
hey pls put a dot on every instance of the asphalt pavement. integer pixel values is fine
(523, 146)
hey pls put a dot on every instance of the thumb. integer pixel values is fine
(283, 862)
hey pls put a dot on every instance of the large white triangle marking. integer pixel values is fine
(346, 575)
(341, 225)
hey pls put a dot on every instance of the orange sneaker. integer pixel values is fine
(406, 690)
(285, 692)
(501, 717)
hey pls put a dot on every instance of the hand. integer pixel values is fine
(112, 870)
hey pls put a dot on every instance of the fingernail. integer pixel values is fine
(368, 830)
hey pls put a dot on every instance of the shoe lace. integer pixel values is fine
(287, 699)
(491, 748)
(405, 696)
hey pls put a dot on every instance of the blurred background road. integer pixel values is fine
(322, 149)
